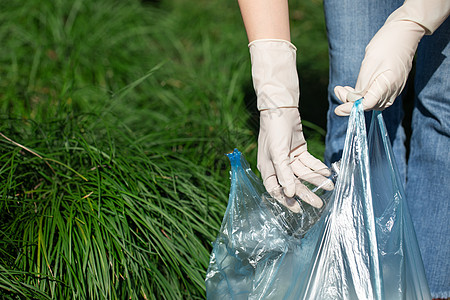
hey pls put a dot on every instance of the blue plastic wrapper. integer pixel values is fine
(361, 246)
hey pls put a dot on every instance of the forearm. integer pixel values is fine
(265, 19)
(428, 13)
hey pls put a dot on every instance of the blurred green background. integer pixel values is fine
(115, 117)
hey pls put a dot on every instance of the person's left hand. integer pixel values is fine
(385, 67)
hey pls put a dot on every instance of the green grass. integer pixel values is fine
(108, 223)
(114, 118)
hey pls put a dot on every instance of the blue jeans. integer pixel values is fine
(350, 26)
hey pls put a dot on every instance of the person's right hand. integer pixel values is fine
(283, 158)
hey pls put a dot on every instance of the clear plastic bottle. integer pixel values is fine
(296, 216)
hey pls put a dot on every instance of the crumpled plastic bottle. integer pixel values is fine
(298, 224)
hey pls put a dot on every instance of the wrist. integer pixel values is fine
(273, 43)
(274, 73)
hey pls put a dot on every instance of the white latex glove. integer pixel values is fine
(282, 150)
(390, 53)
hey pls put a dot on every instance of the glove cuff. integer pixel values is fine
(275, 42)
(274, 73)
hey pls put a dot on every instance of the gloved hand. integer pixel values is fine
(390, 53)
(282, 149)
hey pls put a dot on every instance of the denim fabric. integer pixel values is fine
(428, 184)
(350, 26)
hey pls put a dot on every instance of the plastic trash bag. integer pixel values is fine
(255, 254)
(363, 246)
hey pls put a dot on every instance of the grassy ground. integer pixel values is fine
(114, 117)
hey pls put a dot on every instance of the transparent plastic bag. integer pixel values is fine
(362, 247)
(255, 254)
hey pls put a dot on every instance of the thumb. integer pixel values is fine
(344, 110)
(341, 92)
(348, 95)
